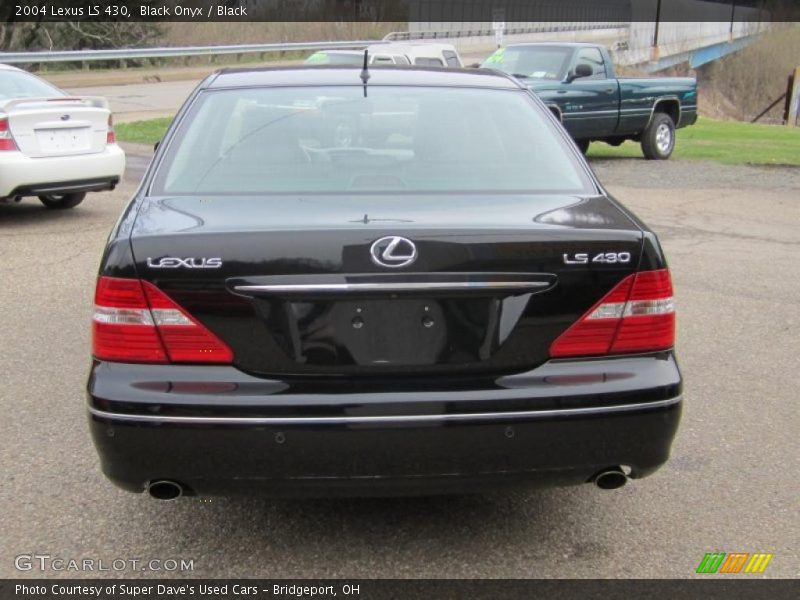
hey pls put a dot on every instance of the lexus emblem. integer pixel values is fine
(65, 117)
(393, 251)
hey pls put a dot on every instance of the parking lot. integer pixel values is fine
(732, 237)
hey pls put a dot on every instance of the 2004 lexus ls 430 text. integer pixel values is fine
(334, 281)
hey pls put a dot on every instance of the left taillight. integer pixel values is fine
(134, 321)
(7, 142)
(111, 137)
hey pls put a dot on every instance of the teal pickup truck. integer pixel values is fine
(577, 82)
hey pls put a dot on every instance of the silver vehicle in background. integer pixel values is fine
(421, 54)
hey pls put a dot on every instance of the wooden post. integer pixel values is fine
(793, 105)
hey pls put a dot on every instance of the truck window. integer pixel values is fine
(382, 60)
(451, 58)
(592, 57)
(401, 60)
(424, 61)
(532, 61)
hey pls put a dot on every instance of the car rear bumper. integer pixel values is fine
(219, 431)
(22, 175)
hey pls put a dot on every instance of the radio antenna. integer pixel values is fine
(365, 71)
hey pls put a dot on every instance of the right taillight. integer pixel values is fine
(111, 137)
(637, 315)
(7, 142)
(134, 321)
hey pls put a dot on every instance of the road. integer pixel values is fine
(147, 100)
(732, 484)
(139, 101)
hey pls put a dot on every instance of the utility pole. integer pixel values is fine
(793, 103)
(654, 49)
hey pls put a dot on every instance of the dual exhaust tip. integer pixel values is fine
(610, 479)
(165, 489)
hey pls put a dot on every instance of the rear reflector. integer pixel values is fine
(7, 142)
(637, 315)
(134, 321)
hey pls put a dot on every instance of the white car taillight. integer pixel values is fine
(7, 142)
(111, 137)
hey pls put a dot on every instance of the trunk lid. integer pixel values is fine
(290, 284)
(59, 126)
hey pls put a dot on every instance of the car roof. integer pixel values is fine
(361, 52)
(565, 44)
(8, 68)
(421, 45)
(349, 75)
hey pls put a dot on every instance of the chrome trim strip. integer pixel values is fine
(393, 287)
(387, 419)
(592, 112)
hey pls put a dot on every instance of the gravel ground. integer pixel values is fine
(693, 174)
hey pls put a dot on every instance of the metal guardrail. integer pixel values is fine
(182, 51)
(177, 51)
(510, 29)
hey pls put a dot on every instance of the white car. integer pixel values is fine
(377, 56)
(421, 54)
(428, 54)
(52, 145)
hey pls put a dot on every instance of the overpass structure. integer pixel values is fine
(649, 34)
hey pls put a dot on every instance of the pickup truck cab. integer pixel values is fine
(578, 84)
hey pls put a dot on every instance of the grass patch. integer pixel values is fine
(142, 132)
(727, 142)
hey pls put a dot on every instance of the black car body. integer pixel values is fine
(336, 284)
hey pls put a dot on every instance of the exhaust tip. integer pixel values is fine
(611, 479)
(165, 490)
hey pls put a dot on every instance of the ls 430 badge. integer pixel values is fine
(173, 262)
(582, 258)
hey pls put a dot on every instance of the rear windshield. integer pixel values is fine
(396, 139)
(17, 84)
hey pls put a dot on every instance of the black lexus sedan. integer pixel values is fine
(336, 282)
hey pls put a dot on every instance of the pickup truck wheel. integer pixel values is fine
(61, 201)
(583, 146)
(658, 138)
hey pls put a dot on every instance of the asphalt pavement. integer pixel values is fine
(732, 237)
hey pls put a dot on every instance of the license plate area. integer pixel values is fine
(378, 323)
(67, 139)
(373, 334)
(398, 332)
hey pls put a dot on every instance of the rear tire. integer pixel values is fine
(62, 201)
(583, 146)
(658, 138)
